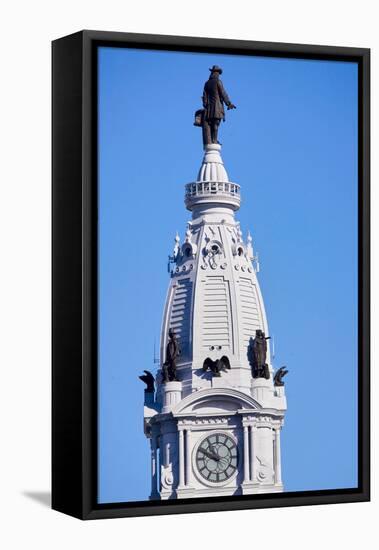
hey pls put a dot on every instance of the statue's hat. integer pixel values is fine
(216, 69)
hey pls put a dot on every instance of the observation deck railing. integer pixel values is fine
(203, 188)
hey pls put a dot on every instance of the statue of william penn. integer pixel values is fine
(214, 98)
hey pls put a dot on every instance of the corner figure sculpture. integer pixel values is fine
(216, 366)
(172, 353)
(258, 355)
(149, 380)
(278, 378)
(214, 97)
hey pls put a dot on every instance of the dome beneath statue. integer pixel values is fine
(212, 168)
(212, 186)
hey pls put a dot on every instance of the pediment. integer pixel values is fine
(215, 400)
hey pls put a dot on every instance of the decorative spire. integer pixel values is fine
(176, 246)
(188, 233)
(256, 260)
(249, 248)
(250, 253)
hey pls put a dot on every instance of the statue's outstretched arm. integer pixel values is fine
(224, 96)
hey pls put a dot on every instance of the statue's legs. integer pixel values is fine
(210, 130)
(172, 374)
(207, 138)
(215, 123)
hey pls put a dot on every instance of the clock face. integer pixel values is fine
(217, 458)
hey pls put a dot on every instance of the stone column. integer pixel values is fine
(253, 460)
(167, 454)
(278, 467)
(172, 394)
(246, 454)
(154, 468)
(159, 463)
(188, 458)
(181, 458)
(262, 390)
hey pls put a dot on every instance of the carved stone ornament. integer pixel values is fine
(213, 253)
(210, 421)
(167, 478)
(265, 472)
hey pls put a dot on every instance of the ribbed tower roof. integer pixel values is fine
(214, 304)
(212, 168)
(212, 186)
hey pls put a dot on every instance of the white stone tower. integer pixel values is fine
(214, 432)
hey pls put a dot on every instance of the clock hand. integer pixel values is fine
(206, 453)
(224, 462)
(212, 455)
(215, 453)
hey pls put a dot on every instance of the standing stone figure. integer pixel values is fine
(259, 349)
(172, 353)
(214, 97)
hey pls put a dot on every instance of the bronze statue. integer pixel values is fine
(278, 378)
(214, 98)
(258, 355)
(172, 353)
(149, 380)
(216, 366)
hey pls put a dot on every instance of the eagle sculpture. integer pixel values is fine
(279, 376)
(149, 380)
(216, 366)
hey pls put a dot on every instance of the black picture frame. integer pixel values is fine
(74, 273)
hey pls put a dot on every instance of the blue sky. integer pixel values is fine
(292, 146)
